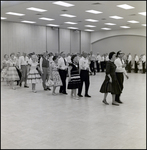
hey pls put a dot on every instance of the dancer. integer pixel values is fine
(33, 75)
(110, 84)
(74, 76)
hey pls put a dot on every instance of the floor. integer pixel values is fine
(43, 121)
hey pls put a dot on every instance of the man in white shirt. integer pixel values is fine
(23, 64)
(143, 62)
(136, 61)
(92, 59)
(63, 72)
(120, 72)
(84, 75)
(98, 60)
(129, 63)
(102, 63)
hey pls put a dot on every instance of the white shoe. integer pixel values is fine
(77, 98)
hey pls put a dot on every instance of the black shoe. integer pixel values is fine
(48, 88)
(26, 86)
(64, 93)
(80, 95)
(115, 104)
(20, 84)
(87, 96)
(45, 89)
(105, 102)
(119, 101)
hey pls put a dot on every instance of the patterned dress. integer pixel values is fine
(12, 74)
(75, 81)
(4, 70)
(56, 77)
(33, 75)
(111, 87)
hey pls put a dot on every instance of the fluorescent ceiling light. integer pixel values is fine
(133, 21)
(48, 19)
(91, 20)
(3, 18)
(89, 30)
(125, 6)
(111, 24)
(94, 11)
(144, 25)
(72, 28)
(54, 25)
(70, 22)
(16, 14)
(25, 21)
(67, 15)
(124, 27)
(115, 17)
(106, 28)
(89, 26)
(142, 13)
(63, 4)
(36, 9)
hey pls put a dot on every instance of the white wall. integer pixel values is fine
(129, 41)
(20, 37)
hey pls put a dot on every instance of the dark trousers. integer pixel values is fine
(45, 76)
(97, 66)
(143, 67)
(63, 75)
(129, 67)
(84, 75)
(120, 79)
(24, 72)
(102, 66)
(92, 67)
(136, 67)
(19, 74)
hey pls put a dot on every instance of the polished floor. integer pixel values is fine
(43, 121)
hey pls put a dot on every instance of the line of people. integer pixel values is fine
(49, 68)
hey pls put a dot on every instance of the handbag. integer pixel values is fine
(49, 83)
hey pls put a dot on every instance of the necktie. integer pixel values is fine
(64, 61)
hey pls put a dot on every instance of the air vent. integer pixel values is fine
(133, 15)
(103, 18)
(64, 10)
(96, 3)
(38, 14)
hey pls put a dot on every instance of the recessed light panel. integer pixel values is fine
(111, 24)
(94, 11)
(91, 20)
(144, 25)
(70, 22)
(54, 25)
(89, 26)
(67, 15)
(133, 21)
(61, 3)
(25, 21)
(89, 30)
(16, 14)
(116, 17)
(124, 27)
(142, 13)
(3, 18)
(36, 9)
(125, 6)
(72, 28)
(48, 19)
(106, 28)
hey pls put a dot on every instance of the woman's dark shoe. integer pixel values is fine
(115, 104)
(105, 102)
